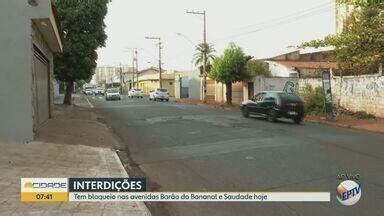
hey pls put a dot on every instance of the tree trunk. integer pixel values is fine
(68, 93)
(229, 93)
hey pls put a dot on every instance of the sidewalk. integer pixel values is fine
(75, 143)
(371, 125)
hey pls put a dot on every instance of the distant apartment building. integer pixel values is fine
(109, 74)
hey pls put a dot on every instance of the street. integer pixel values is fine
(182, 147)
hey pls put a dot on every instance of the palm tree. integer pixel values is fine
(201, 50)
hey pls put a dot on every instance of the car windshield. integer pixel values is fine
(289, 97)
(137, 89)
(112, 90)
(162, 90)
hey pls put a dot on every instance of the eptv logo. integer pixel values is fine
(348, 192)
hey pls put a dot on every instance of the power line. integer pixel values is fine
(293, 19)
(286, 16)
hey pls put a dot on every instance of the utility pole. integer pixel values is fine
(133, 69)
(203, 13)
(121, 79)
(159, 43)
(137, 69)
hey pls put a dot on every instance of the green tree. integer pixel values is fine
(229, 68)
(201, 50)
(83, 25)
(360, 47)
(255, 67)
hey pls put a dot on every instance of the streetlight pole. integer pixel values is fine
(159, 43)
(121, 79)
(203, 13)
(137, 69)
(134, 67)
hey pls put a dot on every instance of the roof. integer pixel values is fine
(307, 64)
(58, 23)
(148, 69)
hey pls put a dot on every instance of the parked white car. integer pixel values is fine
(99, 91)
(112, 94)
(135, 93)
(88, 91)
(159, 94)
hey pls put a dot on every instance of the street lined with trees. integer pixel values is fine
(84, 31)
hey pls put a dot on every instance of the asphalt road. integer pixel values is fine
(184, 147)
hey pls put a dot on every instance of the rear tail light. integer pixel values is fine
(280, 104)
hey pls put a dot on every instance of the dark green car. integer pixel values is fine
(274, 105)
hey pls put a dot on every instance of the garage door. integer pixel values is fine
(40, 66)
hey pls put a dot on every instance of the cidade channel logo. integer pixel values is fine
(348, 192)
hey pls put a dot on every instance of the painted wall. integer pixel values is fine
(16, 78)
(280, 70)
(357, 93)
(15, 72)
(194, 85)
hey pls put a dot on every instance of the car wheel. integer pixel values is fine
(271, 116)
(167, 100)
(298, 120)
(245, 112)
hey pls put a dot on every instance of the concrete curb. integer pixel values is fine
(124, 173)
(342, 125)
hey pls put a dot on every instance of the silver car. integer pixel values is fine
(112, 94)
(159, 94)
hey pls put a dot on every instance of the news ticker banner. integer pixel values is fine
(134, 189)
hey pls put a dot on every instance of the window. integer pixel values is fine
(258, 97)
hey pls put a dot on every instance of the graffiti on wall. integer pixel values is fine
(281, 84)
(369, 88)
(290, 87)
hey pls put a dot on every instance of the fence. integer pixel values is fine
(356, 93)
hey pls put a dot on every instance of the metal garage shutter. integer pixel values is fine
(41, 70)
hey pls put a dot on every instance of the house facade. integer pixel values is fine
(30, 35)
(301, 63)
(286, 69)
(148, 79)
